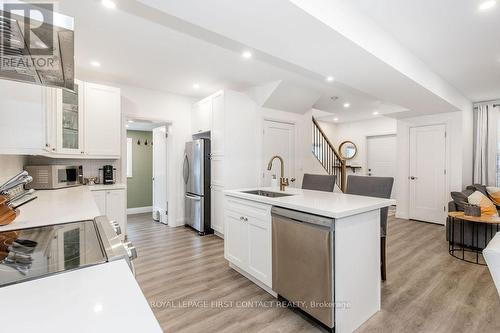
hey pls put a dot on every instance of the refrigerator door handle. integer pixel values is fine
(186, 169)
(193, 197)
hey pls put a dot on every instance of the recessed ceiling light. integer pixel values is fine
(196, 86)
(127, 126)
(246, 54)
(95, 63)
(108, 4)
(330, 79)
(130, 121)
(335, 119)
(346, 105)
(375, 113)
(487, 4)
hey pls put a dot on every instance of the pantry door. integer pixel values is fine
(279, 139)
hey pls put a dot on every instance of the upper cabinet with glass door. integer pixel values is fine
(70, 120)
(64, 120)
(86, 122)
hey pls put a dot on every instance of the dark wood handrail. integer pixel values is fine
(328, 156)
(332, 147)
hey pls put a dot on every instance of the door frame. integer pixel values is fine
(447, 168)
(264, 158)
(158, 123)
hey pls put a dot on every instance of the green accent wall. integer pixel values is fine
(139, 186)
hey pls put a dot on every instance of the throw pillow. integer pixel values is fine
(494, 193)
(459, 199)
(487, 206)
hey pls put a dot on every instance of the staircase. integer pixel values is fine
(327, 155)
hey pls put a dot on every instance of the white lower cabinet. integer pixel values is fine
(217, 208)
(112, 203)
(248, 237)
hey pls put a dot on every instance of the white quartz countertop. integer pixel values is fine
(102, 298)
(329, 204)
(55, 207)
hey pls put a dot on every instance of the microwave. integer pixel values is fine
(50, 177)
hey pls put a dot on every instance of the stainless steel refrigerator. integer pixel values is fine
(196, 173)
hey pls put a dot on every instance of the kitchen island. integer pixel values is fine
(352, 236)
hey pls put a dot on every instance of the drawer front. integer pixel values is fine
(249, 208)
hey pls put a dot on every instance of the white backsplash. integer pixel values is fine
(90, 167)
(10, 165)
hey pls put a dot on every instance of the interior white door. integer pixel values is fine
(160, 197)
(428, 173)
(279, 139)
(381, 157)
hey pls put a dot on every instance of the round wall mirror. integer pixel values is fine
(348, 150)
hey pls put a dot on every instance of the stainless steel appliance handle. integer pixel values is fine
(193, 197)
(185, 169)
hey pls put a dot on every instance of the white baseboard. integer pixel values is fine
(139, 210)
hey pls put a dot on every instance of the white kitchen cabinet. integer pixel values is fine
(112, 203)
(259, 248)
(248, 237)
(102, 120)
(69, 120)
(232, 123)
(218, 124)
(60, 123)
(201, 116)
(22, 126)
(217, 170)
(100, 199)
(236, 240)
(217, 208)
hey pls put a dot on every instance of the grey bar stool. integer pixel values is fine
(325, 183)
(379, 187)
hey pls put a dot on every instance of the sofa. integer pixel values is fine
(457, 205)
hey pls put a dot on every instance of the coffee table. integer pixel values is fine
(457, 248)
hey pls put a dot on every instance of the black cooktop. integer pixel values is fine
(33, 253)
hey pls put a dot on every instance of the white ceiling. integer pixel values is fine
(453, 37)
(140, 46)
(326, 37)
(187, 42)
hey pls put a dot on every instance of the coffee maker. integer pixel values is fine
(108, 175)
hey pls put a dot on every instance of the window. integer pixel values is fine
(129, 157)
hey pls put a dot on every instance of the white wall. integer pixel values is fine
(456, 156)
(10, 165)
(176, 110)
(357, 133)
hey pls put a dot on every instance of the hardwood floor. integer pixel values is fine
(191, 289)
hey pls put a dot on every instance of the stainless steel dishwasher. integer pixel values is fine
(303, 262)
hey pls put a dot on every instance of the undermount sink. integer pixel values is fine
(267, 193)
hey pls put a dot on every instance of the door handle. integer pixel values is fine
(413, 178)
(292, 180)
(193, 197)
